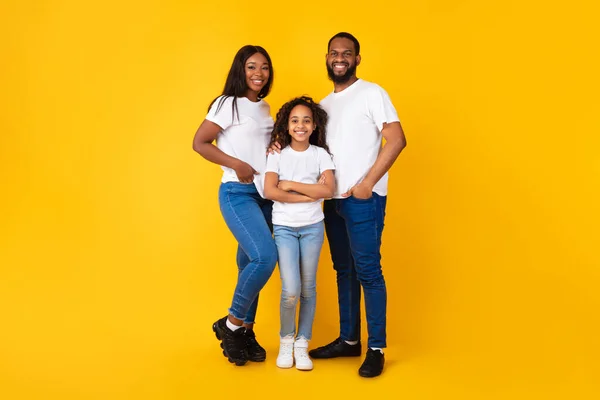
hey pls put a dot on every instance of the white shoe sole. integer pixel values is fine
(285, 366)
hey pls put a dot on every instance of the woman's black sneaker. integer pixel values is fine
(254, 351)
(233, 343)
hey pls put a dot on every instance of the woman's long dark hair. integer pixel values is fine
(281, 133)
(235, 85)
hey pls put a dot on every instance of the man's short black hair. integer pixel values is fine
(347, 36)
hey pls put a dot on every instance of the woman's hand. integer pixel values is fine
(274, 148)
(244, 172)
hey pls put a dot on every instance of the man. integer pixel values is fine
(360, 114)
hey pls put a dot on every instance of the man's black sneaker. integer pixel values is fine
(337, 348)
(233, 343)
(254, 351)
(373, 364)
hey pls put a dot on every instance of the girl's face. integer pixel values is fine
(301, 124)
(257, 72)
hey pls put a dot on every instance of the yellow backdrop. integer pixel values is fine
(115, 260)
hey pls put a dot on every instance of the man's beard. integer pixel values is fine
(341, 79)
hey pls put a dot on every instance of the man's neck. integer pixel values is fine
(338, 87)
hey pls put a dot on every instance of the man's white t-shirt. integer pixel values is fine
(246, 138)
(356, 117)
(304, 167)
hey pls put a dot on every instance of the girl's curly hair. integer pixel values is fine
(281, 134)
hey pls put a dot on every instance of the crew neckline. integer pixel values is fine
(348, 89)
(250, 101)
(297, 151)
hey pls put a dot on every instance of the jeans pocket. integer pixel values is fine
(361, 200)
(239, 188)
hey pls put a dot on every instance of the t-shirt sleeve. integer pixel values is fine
(325, 160)
(381, 108)
(273, 163)
(223, 117)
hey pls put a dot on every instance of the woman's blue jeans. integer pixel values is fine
(248, 217)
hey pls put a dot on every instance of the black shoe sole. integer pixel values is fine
(336, 356)
(323, 357)
(367, 375)
(257, 358)
(237, 361)
(217, 332)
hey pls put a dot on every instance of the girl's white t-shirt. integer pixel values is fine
(245, 138)
(304, 167)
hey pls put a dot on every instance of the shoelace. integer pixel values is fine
(286, 348)
(371, 355)
(251, 338)
(332, 344)
(238, 341)
(301, 353)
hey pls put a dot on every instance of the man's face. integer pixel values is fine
(341, 60)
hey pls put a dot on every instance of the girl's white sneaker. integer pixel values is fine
(285, 359)
(303, 361)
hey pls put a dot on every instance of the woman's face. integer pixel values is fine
(301, 124)
(257, 72)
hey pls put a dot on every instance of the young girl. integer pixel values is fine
(240, 122)
(291, 181)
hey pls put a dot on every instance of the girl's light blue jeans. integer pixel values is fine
(299, 250)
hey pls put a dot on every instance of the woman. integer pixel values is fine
(240, 122)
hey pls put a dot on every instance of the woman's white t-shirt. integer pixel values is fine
(304, 167)
(246, 138)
